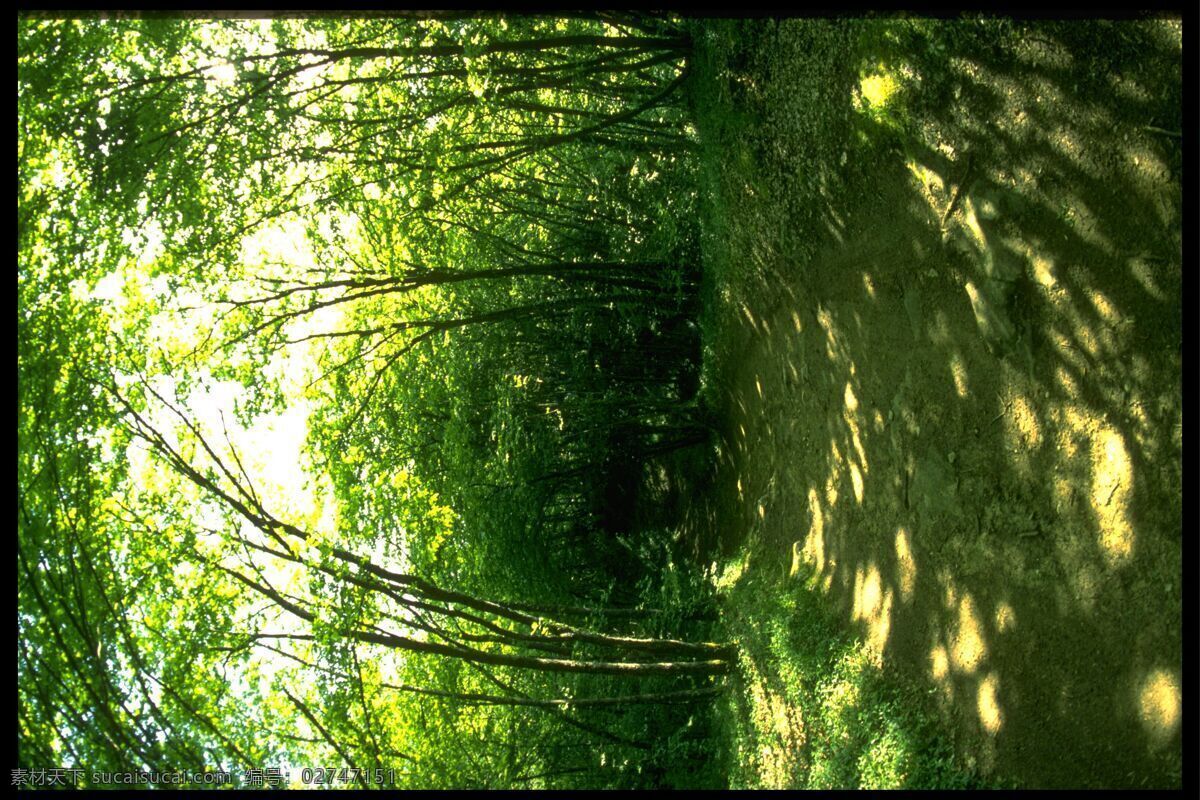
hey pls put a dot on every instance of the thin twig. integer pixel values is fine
(1163, 131)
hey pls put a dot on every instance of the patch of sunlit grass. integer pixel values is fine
(876, 90)
(878, 96)
(730, 573)
(805, 684)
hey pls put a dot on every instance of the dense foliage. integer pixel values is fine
(460, 250)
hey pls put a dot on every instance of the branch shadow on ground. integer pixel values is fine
(959, 405)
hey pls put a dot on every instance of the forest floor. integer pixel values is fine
(943, 341)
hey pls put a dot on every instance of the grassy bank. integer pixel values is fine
(812, 706)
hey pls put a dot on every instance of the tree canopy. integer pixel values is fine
(342, 347)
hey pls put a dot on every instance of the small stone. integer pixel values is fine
(951, 458)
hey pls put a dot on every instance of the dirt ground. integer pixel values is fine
(950, 372)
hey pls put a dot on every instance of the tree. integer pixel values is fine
(482, 219)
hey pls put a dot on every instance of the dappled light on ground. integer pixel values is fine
(777, 756)
(1161, 704)
(873, 606)
(1111, 491)
(967, 646)
(989, 709)
(961, 407)
(906, 568)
